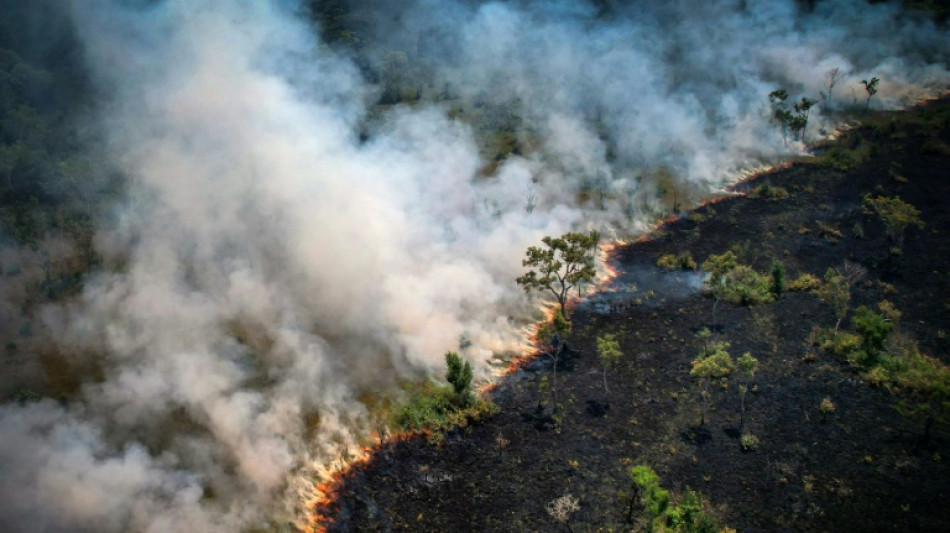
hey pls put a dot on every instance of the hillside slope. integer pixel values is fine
(862, 466)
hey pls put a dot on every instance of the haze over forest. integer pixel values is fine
(229, 228)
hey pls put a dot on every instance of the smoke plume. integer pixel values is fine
(287, 248)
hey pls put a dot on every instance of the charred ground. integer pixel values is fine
(862, 467)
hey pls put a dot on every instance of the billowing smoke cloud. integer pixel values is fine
(287, 249)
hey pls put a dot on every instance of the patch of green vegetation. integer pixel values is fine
(713, 363)
(848, 153)
(921, 382)
(804, 283)
(829, 232)
(841, 344)
(683, 261)
(663, 511)
(434, 409)
(769, 192)
(897, 216)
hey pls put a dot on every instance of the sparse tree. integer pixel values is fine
(799, 121)
(874, 330)
(608, 350)
(550, 335)
(646, 485)
(713, 362)
(747, 366)
(565, 263)
(836, 292)
(870, 86)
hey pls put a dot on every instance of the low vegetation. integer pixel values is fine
(433, 409)
(662, 511)
(682, 261)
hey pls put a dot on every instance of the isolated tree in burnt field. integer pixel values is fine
(563, 263)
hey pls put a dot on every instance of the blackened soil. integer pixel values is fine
(861, 468)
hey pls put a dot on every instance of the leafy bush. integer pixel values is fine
(847, 154)
(743, 285)
(430, 407)
(921, 381)
(682, 261)
(769, 192)
(459, 376)
(666, 513)
(896, 214)
(436, 408)
(805, 282)
(874, 330)
(843, 344)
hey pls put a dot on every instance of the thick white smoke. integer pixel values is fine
(269, 269)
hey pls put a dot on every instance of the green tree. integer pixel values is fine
(870, 86)
(777, 288)
(713, 363)
(647, 488)
(459, 375)
(565, 263)
(747, 366)
(718, 266)
(608, 350)
(874, 330)
(896, 214)
(664, 513)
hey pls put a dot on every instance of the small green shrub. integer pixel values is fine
(769, 192)
(829, 232)
(827, 407)
(749, 442)
(745, 286)
(920, 381)
(682, 261)
(844, 158)
(805, 282)
(666, 513)
(874, 329)
(433, 409)
(896, 214)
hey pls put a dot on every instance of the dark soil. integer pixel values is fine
(863, 467)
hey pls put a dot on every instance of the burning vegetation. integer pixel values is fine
(256, 258)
